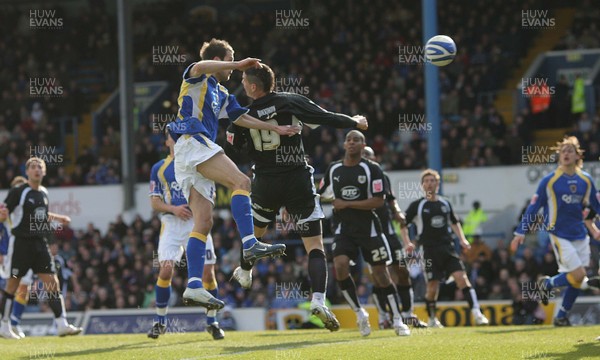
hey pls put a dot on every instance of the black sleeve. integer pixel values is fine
(236, 141)
(310, 113)
(591, 214)
(325, 183)
(411, 212)
(12, 199)
(389, 194)
(453, 218)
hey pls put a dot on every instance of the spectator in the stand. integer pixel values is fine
(473, 221)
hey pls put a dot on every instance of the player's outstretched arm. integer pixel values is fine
(214, 66)
(250, 122)
(63, 219)
(310, 113)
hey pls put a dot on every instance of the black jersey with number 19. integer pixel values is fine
(274, 154)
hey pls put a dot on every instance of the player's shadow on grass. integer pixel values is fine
(281, 346)
(138, 345)
(589, 348)
(524, 329)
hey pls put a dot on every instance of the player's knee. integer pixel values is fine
(203, 224)
(166, 271)
(240, 182)
(578, 274)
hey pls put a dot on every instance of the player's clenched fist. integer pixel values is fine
(362, 123)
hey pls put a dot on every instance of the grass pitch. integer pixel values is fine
(506, 342)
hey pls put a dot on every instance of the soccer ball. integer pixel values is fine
(440, 50)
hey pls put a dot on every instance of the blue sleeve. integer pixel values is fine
(232, 109)
(156, 188)
(4, 237)
(538, 200)
(187, 77)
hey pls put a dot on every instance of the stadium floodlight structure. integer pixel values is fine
(432, 90)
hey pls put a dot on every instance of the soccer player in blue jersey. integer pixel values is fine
(199, 162)
(563, 195)
(177, 223)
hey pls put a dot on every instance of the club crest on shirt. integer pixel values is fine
(362, 179)
(573, 188)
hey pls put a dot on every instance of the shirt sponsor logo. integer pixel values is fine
(350, 192)
(437, 221)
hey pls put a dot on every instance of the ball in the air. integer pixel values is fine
(440, 50)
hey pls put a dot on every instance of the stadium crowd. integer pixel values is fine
(387, 89)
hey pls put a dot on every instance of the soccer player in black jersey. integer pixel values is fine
(283, 178)
(357, 187)
(398, 269)
(27, 205)
(435, 218)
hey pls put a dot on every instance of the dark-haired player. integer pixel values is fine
(398, 270)
(199, 161)
(356, 185)
(435, 218)
(282, 178)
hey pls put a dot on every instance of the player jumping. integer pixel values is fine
(199, 161)
(282, 178)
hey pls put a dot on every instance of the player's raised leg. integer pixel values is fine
(195, 294)
(570, 255)
(222, 170)
(243, 273)
(209, 281)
